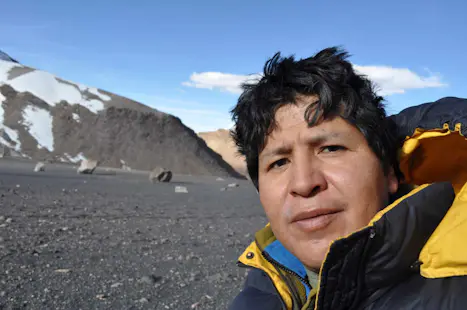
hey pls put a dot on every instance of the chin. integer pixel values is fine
(316, 254)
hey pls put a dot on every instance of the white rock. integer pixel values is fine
(232, 185)
(181, 189)
(87, 166)
(40, 166)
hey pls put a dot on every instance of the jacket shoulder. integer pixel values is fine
(418, 292)
(258, 293)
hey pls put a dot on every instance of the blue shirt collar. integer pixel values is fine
(281, 255)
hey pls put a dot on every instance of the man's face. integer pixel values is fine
(319, 183)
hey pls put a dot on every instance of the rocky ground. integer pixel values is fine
(113, 240)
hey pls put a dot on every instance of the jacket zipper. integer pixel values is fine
(276, 264)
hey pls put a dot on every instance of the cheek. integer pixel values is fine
(272, 199)
(361, 183)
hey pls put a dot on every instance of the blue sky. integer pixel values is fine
(187, 57)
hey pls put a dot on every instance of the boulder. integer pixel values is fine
(160, 174)
(124, 166)
(4, 151)
(87, 166)
(40, 166)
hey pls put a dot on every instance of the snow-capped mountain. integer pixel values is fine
(44, 117)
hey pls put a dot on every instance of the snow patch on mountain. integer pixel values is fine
(75, 159)
(39, 124)
(93, 105)
(96, 92)
(12, 134)
(76, 117)
(5, 67)
(45, 86)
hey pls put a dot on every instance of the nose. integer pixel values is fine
(307, 179)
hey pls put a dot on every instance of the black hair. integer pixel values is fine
(340, 91)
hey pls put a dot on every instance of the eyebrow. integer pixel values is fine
(285, 149)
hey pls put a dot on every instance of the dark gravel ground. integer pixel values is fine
(113, 240)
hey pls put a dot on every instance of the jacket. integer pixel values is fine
(412, 254)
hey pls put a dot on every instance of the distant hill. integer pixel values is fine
(221, 142)
(45, 117)
(6, 57)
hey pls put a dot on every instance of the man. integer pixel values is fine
(365, 211)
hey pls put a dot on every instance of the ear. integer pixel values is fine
(393, 182)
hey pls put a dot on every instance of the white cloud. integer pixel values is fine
(217, 80)
(388, 79)
(398, 80)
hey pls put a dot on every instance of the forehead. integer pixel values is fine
(291, 125)
(289, 114)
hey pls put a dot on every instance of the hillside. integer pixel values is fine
(44, 117)
(221, 142)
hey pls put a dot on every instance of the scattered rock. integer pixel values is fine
(195, 276)
(40, 166)
(215, 278)
(9, 220)
(116, 285)
(223, 189)
(151, 279)
(63, 270)
(124, 166)
(204, 299)
(87, 166)
(232, 185)
(160, 174)
(219, 179)
(101, 296)
(143, 300)
(181, 189)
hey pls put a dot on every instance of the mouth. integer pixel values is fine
(314, 220)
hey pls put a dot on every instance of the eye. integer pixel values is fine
(332, 148)
(278, 163)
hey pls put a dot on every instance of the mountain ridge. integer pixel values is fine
(44, 117)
